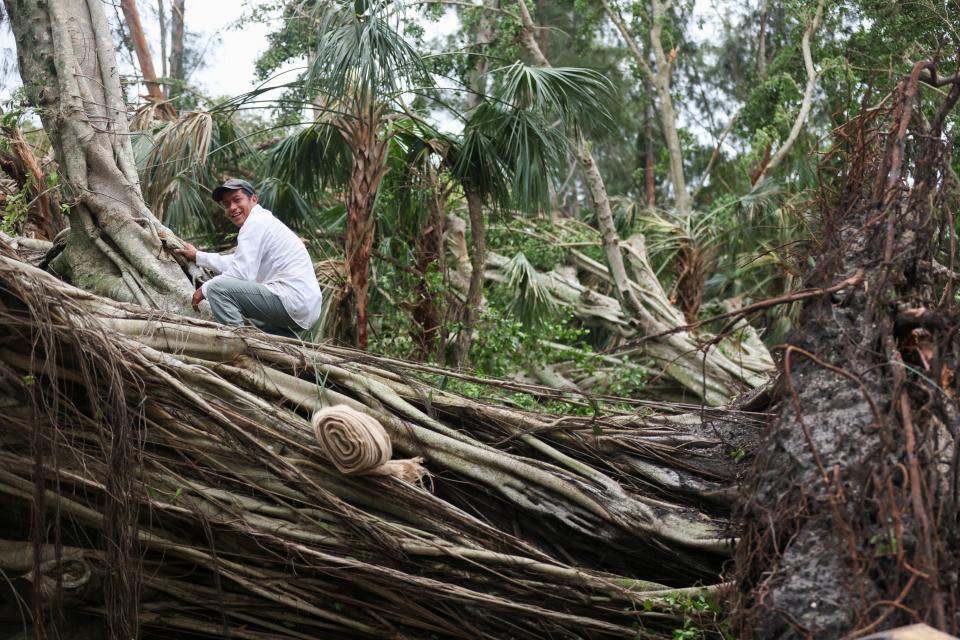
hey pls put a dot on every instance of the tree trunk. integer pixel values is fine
(659, 77)
(608, 231)
(427, 313)
(762, 42)
(853, 503)
(132, 17)
(478, 80)
(369, 152)
(164, 64)
(694, 264)
(474, 299)
(543, 28)
(115, 246)
(648, 162)
(177, 71)
(661, 81)
(470, 310)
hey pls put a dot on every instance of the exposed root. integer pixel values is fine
(534, 524)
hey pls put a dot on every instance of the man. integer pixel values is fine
(269, 279)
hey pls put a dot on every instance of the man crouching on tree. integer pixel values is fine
(269, 280)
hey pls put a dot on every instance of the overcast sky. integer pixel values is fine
(229, 51)
(229, 66)
(229, 47)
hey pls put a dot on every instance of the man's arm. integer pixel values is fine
(212, 261)
(244, 264)
(190, 252)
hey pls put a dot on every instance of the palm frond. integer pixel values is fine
(534, 152)
(533, 301)
(189, 212)
(289, 205)
(576, 96)
(415, 158)
(180, 160)
(176, 147)
(311, 158)
(477, 159)
(360, 54)
(762, 197)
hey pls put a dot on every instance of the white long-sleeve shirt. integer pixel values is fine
(270, 253)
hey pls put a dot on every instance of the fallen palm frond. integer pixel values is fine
(177, 456)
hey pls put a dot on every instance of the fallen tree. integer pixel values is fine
(703, 368)
(850, 517)
(181, 452)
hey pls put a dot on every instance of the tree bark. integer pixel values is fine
(648, 165)
(743, 363)
(668, 118)
(659, 77)
(478, 255)
(162, 18)
(762, 42)
(478, 79)
(115, 246)
(369, 151)
(543, 28)
(427, 313)
(470, 310)
(132, 17)
(852, 504)
(177, 71)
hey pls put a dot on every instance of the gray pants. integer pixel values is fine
(233, 300)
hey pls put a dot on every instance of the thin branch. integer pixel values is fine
(713, 156)
(470, 5)
(638, 55)
(796, 296)
(807, 103)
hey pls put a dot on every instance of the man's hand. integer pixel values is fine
(197, 297)
(189, 252)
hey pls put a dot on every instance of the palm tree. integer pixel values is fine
(512, 146)
(361, 72)
(362, 68)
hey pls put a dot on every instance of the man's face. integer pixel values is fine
(237, 206)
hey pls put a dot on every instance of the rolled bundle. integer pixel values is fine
(359, 445)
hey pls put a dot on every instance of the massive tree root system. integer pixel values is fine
(172, 481)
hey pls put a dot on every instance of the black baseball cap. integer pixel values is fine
(232, 185)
